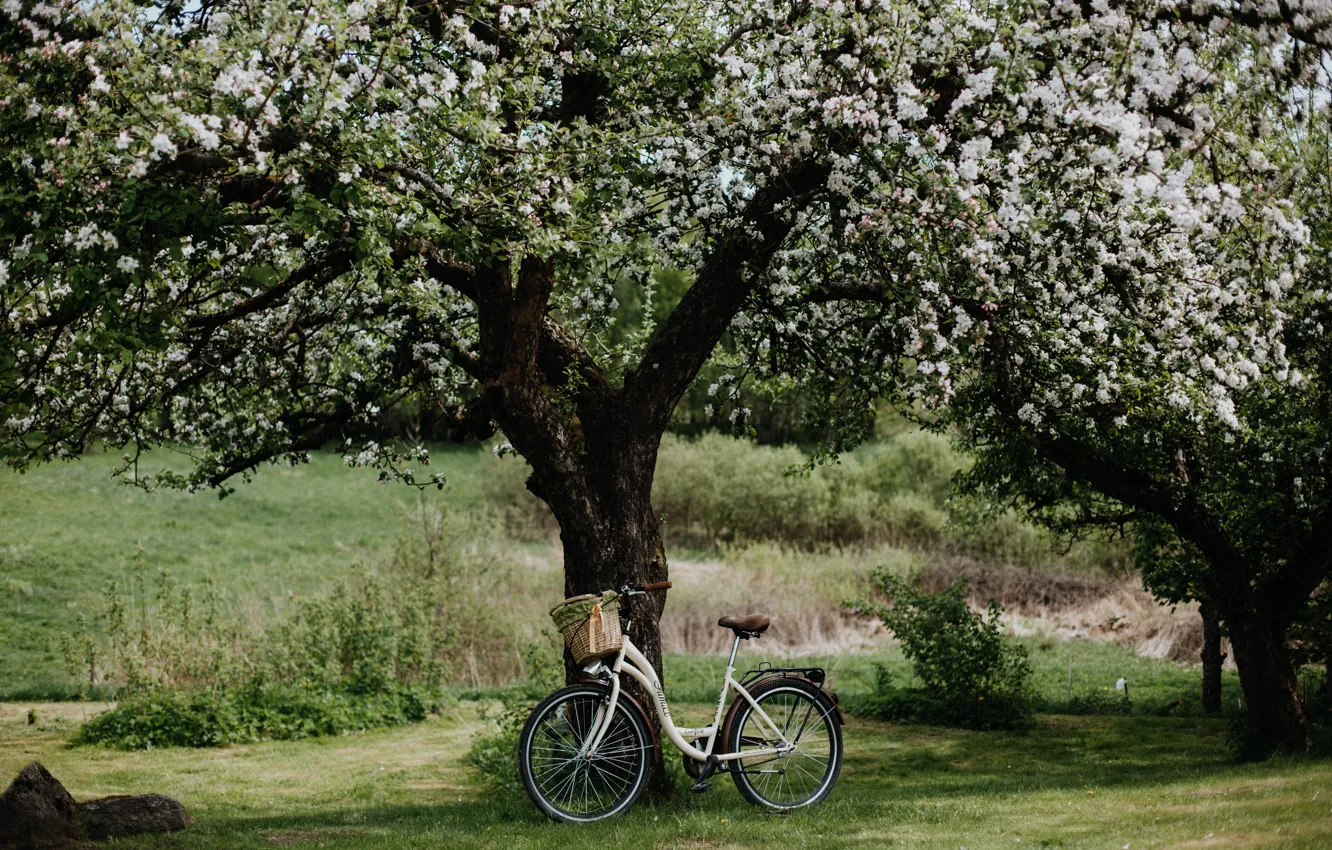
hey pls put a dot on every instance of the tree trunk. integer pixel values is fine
(1211, 658)
(611, 536)
(1327, 690)
(1276, 718)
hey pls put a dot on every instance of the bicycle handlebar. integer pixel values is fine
(630, 590)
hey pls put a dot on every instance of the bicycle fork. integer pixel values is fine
(601, 721)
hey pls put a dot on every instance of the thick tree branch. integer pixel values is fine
(693, 329)
(560, 354)
(1130, 487)
(1290, 586)
(531, 298)
(324, 270)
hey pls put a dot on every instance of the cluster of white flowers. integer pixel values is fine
(1089, 199)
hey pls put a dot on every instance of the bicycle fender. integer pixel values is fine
(753, 686)
(830, 697)
(636, 706)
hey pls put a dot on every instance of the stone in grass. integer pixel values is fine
(37, 812)
(117, 817)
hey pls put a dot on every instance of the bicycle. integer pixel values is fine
(586, 752)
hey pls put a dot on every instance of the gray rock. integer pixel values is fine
(37, 811)
(117, 817)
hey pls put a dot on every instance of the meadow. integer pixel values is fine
(1092, 783)
(1105, 770)
(68, 530)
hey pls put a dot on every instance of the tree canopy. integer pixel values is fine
(250, 227)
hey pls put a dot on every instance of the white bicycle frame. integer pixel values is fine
(630, 660)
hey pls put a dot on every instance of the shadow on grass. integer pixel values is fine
(913, 762)
(889, 771)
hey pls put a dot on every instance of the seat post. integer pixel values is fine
(734, 647)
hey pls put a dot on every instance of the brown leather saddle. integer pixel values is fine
(745, 626)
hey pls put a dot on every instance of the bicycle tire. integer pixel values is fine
(809, 717)
(555, 777)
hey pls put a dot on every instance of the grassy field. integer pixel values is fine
(66, 530)
(1071, 782)
(1100, 783)
(1153, 685)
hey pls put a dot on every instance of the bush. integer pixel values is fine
(912, 520)
(914, 462)
(971, 674)
(165, 717)
(718, 489)
(377, 650)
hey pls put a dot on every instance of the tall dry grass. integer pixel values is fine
(1109, 609)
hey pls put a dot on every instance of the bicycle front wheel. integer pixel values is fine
(806, 773)
(567, 785)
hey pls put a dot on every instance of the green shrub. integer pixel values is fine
(189, 669)
(719, 489)
(911, 519)
(971, 674)
(167, 717)
(913, 462)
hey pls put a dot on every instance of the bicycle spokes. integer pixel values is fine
(569, 781)
(807, 750)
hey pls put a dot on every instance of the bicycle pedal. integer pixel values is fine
(713, 766)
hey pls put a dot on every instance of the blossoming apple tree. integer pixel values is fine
(250, 228)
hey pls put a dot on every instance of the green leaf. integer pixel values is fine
(263, 275)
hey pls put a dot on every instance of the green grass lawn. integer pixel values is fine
(1153, 685)
(1072, 782)
(67, 529)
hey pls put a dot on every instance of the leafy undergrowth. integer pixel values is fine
(169, 718)
(1098, 783)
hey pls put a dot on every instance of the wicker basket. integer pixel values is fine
(595, 635)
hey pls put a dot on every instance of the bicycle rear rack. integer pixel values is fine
(813, 674)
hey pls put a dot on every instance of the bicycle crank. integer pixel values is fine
(714, 764)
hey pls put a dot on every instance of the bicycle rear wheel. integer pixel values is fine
(568, 786)
(807, 773)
